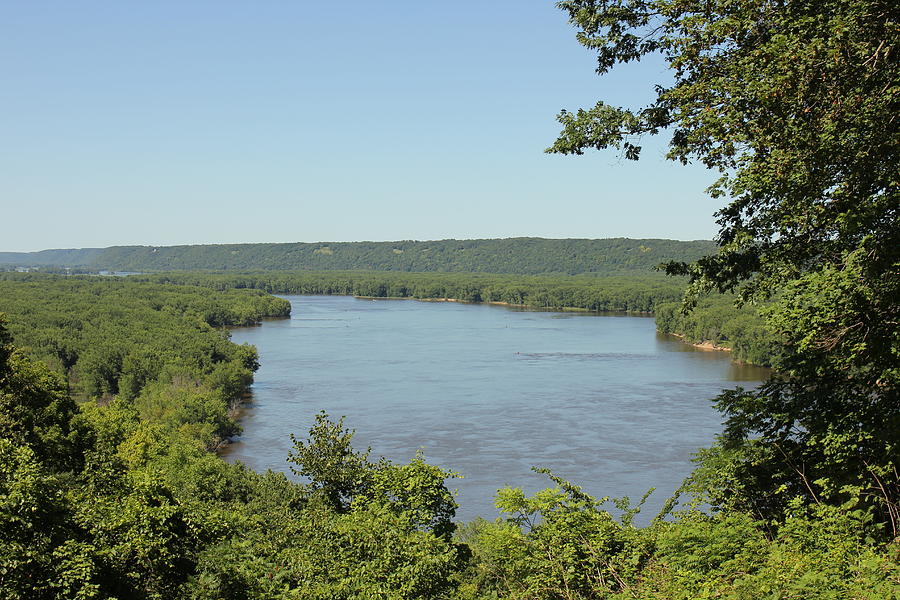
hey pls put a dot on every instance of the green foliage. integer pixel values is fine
(36, 412)
(37, 558)
(790, 103)
(524, 256)
(336, 471)
(828, 430)
(346, 480)
(816, 554)
(200, 411)
(561, 544)
(634, 293)
(155, 345)
(357, 529)
(558, 543)
(144, 539)
(718, 321)
(415, 492)
(844, 318)
(795, 105)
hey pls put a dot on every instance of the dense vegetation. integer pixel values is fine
(717, 321)
(160, 347)
(796, 104)
(123, 500)
(526, 256)
(612, 293)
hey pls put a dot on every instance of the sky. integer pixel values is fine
(192, 122)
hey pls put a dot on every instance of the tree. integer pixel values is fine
(336, 470)
(36, 410)
(795, 105)
(40, 555)
(348, 481)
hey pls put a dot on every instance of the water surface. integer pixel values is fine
(488, 392)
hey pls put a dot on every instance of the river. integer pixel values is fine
(488, 391)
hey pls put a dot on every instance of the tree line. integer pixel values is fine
(525, 256)
(635, 293)
(717, 320)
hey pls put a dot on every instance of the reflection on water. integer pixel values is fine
(488, 392)
(736, 371)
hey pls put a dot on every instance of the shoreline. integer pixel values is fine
(706, 345)
(506, 304)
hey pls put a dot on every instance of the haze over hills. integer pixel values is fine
(511, 255)
(60, 258)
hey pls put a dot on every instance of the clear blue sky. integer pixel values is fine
(216, 122)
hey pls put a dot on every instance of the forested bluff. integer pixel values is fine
(525, 256)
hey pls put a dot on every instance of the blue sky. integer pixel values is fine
(222, 122)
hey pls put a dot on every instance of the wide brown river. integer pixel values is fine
(488, 392)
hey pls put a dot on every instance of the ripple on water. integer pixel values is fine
(488, 392)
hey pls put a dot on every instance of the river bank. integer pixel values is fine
(642, 313)
(705, 345)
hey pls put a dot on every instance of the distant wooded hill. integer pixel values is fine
(513, 255)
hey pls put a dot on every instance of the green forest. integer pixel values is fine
(116, 392)
(716, 320)
(631, 293)
(162, 347)
(524, 256)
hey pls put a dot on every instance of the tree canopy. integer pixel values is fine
(795, 106)
(513, 255)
